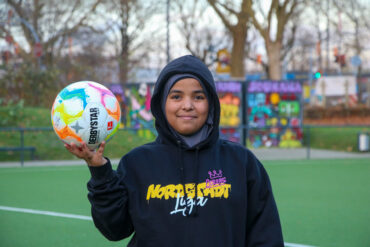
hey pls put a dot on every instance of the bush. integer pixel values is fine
(319, 112)
(36, 87)
(10, 112)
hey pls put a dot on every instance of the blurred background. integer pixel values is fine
(287, 72)
(293, 77)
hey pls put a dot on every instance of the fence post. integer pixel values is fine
(244, 107)
(308, 142)
(22, 146)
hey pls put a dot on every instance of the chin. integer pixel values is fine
(187, 132)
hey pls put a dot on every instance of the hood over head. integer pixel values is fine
(184, 67)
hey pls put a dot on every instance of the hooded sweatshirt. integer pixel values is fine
(166, 193)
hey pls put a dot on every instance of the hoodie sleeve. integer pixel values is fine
(109, 202)
(263, 223)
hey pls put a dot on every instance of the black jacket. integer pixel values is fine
(227, 201)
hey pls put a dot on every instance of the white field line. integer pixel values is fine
(296, 245)
(34, 169)
(32, 211)
(82, 217)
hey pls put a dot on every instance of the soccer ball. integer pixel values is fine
(85, 111)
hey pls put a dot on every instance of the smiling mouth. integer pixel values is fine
(187, 117)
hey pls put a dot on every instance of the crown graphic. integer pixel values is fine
(214, 174)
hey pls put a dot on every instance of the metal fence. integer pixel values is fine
(308, 128)
(362, 138)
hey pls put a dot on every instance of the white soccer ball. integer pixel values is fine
(85, 111)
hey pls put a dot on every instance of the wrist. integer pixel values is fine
(96, 163)
(101, 174)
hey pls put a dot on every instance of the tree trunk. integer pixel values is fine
(123, 69)
(124, 58)
(273, 52)
(237, 54)
(358, 52)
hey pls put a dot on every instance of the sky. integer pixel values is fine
(157, 24)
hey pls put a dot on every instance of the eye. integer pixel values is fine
(200, 97)
(175, 96)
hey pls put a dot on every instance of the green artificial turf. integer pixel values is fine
(321, 203)
(19, 229)
(57, 189)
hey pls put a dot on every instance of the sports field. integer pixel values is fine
(321, 203)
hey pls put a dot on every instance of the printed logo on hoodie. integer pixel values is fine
(215, 187)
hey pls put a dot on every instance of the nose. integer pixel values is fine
(188, 104)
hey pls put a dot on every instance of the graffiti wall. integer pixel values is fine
(230, 95)
(135, 107)
(274, 114)
(272, 111)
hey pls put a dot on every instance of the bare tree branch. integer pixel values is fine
(257, 25)
(273, 9)
(289, 44)
(18, 9)
(275, 46)
(223, 18)
(230, 10)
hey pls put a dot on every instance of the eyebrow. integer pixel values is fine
(179, 91)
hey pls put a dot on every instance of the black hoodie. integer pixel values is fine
(227, 201)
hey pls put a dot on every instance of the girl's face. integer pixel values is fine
(186, 106)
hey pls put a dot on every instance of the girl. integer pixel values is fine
(188, 188)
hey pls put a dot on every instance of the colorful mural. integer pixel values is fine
(273, 111)
(135, 106)
(274, 114)
(230, 94)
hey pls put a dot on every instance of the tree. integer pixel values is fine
(301, 55)
(251, 49)
(227, 11)
(200, 38)
(34, 87)
(253, 41)
(318, 7)
(126, 21)
(356, 13)
(279, 13)
(85, 58)
(45, 24)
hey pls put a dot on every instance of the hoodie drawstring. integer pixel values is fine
(196, 178)
(181, 167)
(194, 212)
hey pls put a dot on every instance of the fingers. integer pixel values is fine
(71, 148)
(101, 148)
(85, 152)
(81, 152)
(92, 157)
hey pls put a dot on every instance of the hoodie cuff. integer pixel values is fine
(101, 174)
